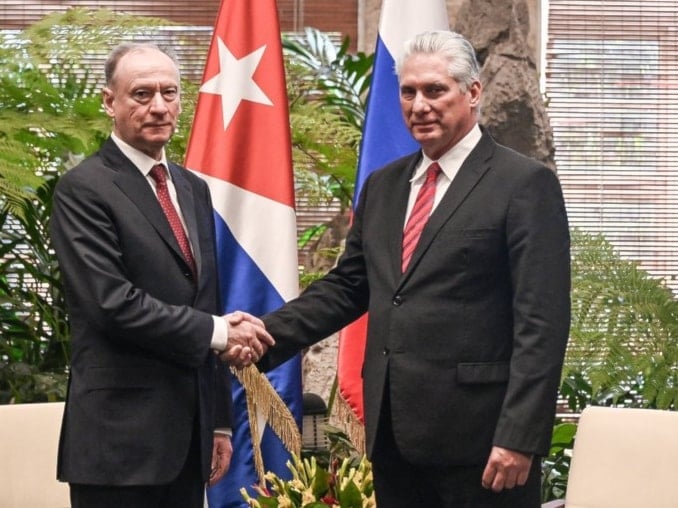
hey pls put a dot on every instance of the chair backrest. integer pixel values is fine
(29, 436)
(624, 458)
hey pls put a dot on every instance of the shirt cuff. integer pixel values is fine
(219, 334)
(224, 432)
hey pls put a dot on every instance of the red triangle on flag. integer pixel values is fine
(240, 132)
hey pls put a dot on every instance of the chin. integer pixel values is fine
(428, 140)
(159, 140)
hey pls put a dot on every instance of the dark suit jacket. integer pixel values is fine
(470, 340)
(141, 368)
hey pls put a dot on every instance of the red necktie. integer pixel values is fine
(158, 174)
(420, 213)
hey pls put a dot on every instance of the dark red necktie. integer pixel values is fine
(420, 214)
(160, 176)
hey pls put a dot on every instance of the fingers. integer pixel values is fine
(506, 469)
(237, 356)
(217, 473)
(234, 318)
(222, 450)
(252, 319)
(257, 347)
(502, 479)
(237, 317)
(489, 475)
(265, 339)
(522, 476)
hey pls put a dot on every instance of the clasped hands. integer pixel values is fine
(248, 339)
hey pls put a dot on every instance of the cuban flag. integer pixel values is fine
(240, 144)
(385, 138)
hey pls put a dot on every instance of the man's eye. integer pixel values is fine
(170, 94)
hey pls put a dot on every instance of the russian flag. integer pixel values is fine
(240, 144)
(385, 138)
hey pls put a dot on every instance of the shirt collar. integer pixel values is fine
(143, 162)
(451, 161)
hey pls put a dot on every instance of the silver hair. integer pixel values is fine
(462, 66)
(123, 49)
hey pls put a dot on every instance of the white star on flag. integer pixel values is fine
(234, 82)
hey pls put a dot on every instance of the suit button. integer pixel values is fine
(397, 300)
(385, 352)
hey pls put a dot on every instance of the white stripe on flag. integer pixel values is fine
(401, 21)
(276, 230)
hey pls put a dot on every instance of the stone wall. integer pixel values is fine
(513, 109)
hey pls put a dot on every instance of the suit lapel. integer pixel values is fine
(187, 205)
(470, 173)
(133, 184)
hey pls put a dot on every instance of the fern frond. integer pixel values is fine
(624, 324)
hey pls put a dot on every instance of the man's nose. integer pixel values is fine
(158, 104)
(420, 103)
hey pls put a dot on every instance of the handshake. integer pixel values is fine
(248, 340)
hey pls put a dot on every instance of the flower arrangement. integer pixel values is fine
(312, 486)
(344, 483)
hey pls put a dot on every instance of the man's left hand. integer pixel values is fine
(222, 449)
(505, 469)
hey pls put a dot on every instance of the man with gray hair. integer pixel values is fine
(460, 254)
(148, 411)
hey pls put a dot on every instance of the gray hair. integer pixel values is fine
(123, 49)
(463, 66)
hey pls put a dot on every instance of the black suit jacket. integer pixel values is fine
(141, 367)
(470, 340)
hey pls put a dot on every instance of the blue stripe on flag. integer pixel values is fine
(238, 271)
(244, 286)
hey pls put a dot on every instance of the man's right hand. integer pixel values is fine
(248, 339)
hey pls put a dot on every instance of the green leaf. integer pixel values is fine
(350, 497)
(320, 483)
(563, 437)
(268, 502)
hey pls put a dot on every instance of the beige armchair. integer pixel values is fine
(29, 434)
(623, 458)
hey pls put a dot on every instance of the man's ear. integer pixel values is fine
(107, 100)
(475, 91)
